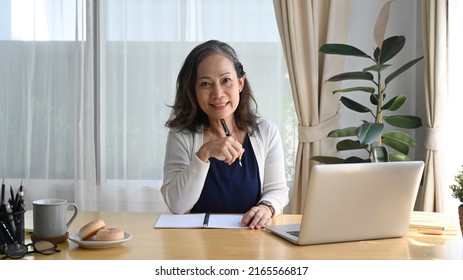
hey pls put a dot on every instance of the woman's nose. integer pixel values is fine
(217, 91)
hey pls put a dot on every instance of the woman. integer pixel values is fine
(220, 157)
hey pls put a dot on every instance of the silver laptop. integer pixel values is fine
(351, 202)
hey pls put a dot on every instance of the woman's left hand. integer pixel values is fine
(257, 217)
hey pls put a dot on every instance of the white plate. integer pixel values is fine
(93, 244)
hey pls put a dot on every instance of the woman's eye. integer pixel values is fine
(226, 81)
(204, 84)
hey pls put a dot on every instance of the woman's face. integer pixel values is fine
(218, 87)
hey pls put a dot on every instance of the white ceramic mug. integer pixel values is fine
(49, 217)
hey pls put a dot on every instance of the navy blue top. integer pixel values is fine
(231, 188)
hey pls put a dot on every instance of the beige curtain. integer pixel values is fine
(434, 20)
(304, 26)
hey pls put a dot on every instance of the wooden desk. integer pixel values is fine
(148, 243)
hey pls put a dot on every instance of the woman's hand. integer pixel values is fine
(227, 149)
(257, 217)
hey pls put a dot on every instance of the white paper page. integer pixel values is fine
(180, 221)
(225, 221)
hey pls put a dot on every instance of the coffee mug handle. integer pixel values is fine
(76, 210)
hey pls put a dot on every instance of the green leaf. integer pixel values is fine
(343, 132)
(391, 46)
(342, 49)
(353, 105)
(355, 159)
(327, 159)
(401, 137)
(395, 103)
(398, 157)
(410, 122)
(401, 70)
(337, 160)
(348, 144)
(365, 89)
(368, 133)
(397, 145)
(379, 153)
(358, 75)
(376, 68)
(376, 54)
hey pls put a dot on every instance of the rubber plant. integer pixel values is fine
(371, 135)
(457, 189)
(457, 192)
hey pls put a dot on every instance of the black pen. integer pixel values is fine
(206, 219)
(225, 127)
(16, 199)
(19, 198)
(6, 233)
(11, 200)
(3, 192)
(227, 133)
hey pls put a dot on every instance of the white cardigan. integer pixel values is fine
(185, 173)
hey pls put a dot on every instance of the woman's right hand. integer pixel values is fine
(227, 149)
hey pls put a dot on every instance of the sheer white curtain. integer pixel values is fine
(46, 100)
(85, 88)
(142, 46)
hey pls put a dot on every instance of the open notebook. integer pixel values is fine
(203, 220)
(349, 202)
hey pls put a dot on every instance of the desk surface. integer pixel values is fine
(148, 243)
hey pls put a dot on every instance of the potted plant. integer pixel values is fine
(371, 135)
(457, 192)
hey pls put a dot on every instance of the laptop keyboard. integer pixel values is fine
(294, 233)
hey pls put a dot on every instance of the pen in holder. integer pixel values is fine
(12, 227)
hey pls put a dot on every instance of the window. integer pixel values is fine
(141, 44)
(144, 45)
(42, 20)
(38, 82)
(455, 99)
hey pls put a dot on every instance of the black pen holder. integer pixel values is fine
(12, 227)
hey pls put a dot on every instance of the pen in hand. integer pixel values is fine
(225, 127)
(227, 133)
